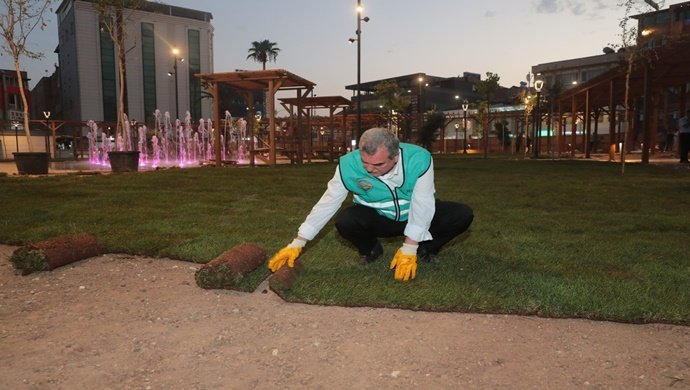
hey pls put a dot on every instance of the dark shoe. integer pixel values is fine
(373, 255)
(427, 257)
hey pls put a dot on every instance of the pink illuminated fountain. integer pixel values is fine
(170, 143)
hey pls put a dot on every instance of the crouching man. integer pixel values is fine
(394, 195)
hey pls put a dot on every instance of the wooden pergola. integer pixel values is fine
(247, 82)
(655, 74)
(304, 106)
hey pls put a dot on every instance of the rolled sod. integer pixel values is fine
(284, 278)
(227, 270)
(55, 252)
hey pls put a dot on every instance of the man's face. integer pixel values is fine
(379, 163)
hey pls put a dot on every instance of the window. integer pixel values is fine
(14, 102)
(148, 55)
(194, 51)
(108, 77)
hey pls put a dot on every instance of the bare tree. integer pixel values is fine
(17, 22)
(632, 52)
(111, 15)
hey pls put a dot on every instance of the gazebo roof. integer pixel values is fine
(253, 80)
(317, 101)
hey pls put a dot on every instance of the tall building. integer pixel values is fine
(661, 26)
(11, 111)
(569, 73)
(165, 46)
(11, 106)
(45, 97)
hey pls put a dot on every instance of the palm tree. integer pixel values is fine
(263, 52)
(487, 88)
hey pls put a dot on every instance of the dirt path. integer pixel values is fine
(122, 322)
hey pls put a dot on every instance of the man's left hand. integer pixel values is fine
(405, 266)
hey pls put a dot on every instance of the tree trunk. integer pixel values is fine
(25, 103)
(122, 98)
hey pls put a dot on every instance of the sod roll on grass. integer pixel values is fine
(55, 252)
(284, 278)
(228, 269)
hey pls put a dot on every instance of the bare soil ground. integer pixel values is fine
(121, 322)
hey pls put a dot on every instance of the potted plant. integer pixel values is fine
(22, 18)
(124, 158)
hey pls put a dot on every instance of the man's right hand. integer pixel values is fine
(285, 255)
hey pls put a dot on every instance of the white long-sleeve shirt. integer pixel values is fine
(422, 206)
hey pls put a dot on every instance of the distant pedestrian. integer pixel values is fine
(670, 140)
(684, 137)
(518, 142)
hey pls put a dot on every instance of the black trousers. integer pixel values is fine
(362, 226)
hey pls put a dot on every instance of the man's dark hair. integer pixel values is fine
(377, 136)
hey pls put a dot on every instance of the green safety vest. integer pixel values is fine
(372, 192)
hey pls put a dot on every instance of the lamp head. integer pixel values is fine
(352, 40)
(465, 105)
(538, 85)
(46, 114)
(365, 19)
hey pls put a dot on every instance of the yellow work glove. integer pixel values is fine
(286, 255)
(405, 262)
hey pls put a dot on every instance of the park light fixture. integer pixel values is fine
(538, 85)
(465, 106)
(358, 130)
(176, 58)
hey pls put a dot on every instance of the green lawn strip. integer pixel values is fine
(551, 238)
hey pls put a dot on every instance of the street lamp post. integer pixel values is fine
(420, 104)
(15, 124)
(457, 126)
(46, 114)
(358, 130)
(176, 53)
(134, 134)
(538, 85)
(465, 106)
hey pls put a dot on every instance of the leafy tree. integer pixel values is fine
(394, 102)
(263, 51)
(487, 88)
(392, 96)
(112, 18)
(426, 135)
(17, 22)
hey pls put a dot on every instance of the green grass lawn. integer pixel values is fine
(551, 238)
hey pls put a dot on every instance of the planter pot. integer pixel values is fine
(127, 161)
(32, 163)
